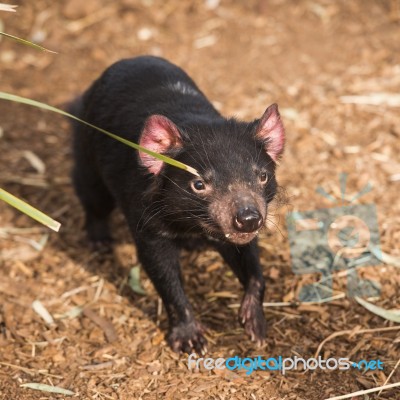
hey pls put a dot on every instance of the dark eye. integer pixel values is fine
(198, 185)
(263, 177)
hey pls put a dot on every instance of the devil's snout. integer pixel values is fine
(240, 213)
(248, 219)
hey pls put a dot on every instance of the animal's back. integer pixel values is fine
(131, 90)
(120, 101)
(125, 95)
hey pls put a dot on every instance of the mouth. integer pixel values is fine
(239, 238)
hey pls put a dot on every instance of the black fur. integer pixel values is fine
(162, 211)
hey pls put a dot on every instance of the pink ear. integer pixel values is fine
(160, 135)
(271, 131)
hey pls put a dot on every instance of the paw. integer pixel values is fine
(99, 235)
(101, 245)
(251, 316)
(188, 338)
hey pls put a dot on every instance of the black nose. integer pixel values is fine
(248, 219)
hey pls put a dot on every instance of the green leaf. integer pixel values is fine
(47, 388)
(29, 210)
(26, 42)
(34, 103)
(134, 280)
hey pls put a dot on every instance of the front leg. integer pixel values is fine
(244, 261)
(160, 259)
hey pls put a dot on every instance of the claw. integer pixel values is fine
(187, 338)
(253, 320)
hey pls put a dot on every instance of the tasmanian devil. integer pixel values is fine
(156, 104)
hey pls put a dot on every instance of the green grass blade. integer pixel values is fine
(29, 210)
(34, 103)
(26, 42)
(134, 280)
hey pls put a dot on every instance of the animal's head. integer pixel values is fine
(236, 162)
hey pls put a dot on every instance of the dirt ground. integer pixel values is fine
(305, 55)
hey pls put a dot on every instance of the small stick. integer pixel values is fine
(30, 371)
(103, 323)
(390, 375)
(297, 303)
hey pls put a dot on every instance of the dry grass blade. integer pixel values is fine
(385, 258)
(27, 42)
(291, 304)
(362, 392)
(47, 388)
(8, 7)
(390, 375)
(92, 18)
(41, 310)
(30, 371)
(72, 313)
(35, 161)
(18, 367)
(390, 315)
(376, 99)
